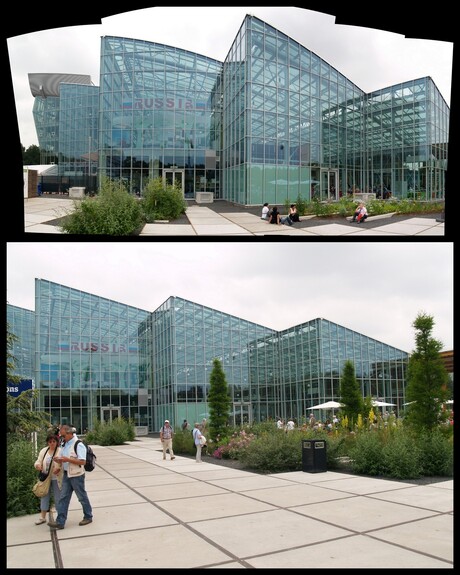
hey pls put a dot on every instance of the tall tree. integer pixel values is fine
(427, 377)
(21, 419)
(350, 393)
(219, 400)
(31, 156)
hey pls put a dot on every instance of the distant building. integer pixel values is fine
(274, 121)
(93, 358)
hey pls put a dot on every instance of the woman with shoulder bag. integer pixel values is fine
(46, 465)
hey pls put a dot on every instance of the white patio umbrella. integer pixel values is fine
(327, 405)
(376, 403)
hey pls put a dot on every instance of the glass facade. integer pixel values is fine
(88, 354)
(295, 126)
(78, 129)
(272, 122)
(157, 115)
(93, 358)
(21, 323)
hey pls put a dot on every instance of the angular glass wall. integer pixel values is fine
(288, 117)
(78, 133)
(187, 337)
(157, 104)
(21, 323)
(46, 119)
(314, 354)
(88, 357)
(407, 135)
(45, 89)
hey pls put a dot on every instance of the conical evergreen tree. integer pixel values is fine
(350, 393)
(427, 378)
(219, 400)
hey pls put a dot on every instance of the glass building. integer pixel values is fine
(274, 121)
(93, 358)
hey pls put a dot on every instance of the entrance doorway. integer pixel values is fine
(329, 184)
(242, 414)
(174, 177)
(109, 414)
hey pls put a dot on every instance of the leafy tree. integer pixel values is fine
(219, 400)
(427, 378)
(31, 156)
(21, 419)
(350, 393)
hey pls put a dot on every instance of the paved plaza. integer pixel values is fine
(224, 219)
(150, 513)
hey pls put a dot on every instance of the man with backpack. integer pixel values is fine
(73, 460)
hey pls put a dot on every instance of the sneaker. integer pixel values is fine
(85, 522)
(55, 525)
(40, 521)
(173, 457)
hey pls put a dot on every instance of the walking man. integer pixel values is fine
(166, 437)
(72, 462)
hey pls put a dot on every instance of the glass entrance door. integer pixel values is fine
(241, 413)
(329, 184)
(109, 414)
(174, 177)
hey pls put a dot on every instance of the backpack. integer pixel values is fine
(90, 457)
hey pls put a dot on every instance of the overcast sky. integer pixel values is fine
(376, 289)
(371, 58)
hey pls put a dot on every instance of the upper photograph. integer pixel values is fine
(223, 121)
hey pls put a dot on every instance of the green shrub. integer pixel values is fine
(366, 454)
(436, 452)
(116, 432)
(162, 201)
(20, 477)
(112, 212)
(274, 452)
(401, 457)
(183, 442)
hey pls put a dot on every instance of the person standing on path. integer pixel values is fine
(197, 438)
(73, 461)
(166, 437)
(47, 464)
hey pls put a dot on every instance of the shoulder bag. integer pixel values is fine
(42, 486)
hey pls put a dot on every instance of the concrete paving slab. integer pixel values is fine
(42, 229)
(291, 495)
(440, 528)
(424, 496)
(175, 546)
(167, 230)
(213, 507)
(356, 552)
(267, 531)
(192, 488)
(360, 513)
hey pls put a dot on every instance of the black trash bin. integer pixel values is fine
(314, 458)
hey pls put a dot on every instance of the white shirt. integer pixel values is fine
(265, 211)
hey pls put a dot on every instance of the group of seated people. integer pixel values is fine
(272, 216)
